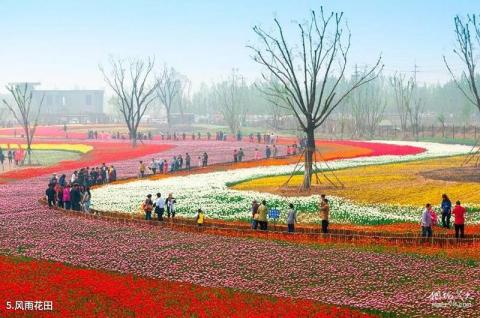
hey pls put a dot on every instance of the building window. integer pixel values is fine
(64, 101)
(88, 100)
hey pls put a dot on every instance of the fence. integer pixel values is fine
(307, 234)
(447, 132)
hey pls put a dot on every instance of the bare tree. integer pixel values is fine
(414, 112)
(467, 46)
(183, 98)
(367, 106)
(3, 116)
(403, 89)
(130, 80)
(169, 88)
(310, 72)
(23, 112)
(230, 95)
(442, 120)
(277, 107)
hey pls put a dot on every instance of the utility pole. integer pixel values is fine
(415, 71)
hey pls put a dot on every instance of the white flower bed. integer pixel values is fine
(210, 192)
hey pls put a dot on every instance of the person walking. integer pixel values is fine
(235, 155)
(159, 206)
(165, 166)
(205, 159)
(170, 203)
(291, 218)
(62, 180)
(147, 207)
(426, 221)
(180, 161)
(104, 173)
(262, 216)
(459, 213)
(113, 174)
(50, 194)
(257, 154)
(324, 214)
(74, 177)
(86, 199)
(2, 158)
(268, 152)
(58, 194)
(142, 169)
(153, 166)
(240, 155)
(66, 197)
(255, 206)
(75, 197)
(200, 218)
(446, 211)
(10, 157)
(187, 161)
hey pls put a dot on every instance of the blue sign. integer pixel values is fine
(274, 213)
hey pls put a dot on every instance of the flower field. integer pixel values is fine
(85, 293)
(213, 193)
(81, 148)
(95, 153)
(395, 184)
(42, 132)
(161, 270)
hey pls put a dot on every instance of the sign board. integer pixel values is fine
(274, 214)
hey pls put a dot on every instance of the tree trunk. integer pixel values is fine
(29, 154)
(133, 137)
(169, 121)
(309, 151)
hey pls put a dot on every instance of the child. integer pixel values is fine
(200, 217)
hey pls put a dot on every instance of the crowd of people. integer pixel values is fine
(94, 134)
(74, 193)
(159, 206)
(260, 215)
(68, 196)
(12, 156)
(176, 163)
(430, 218)
(88, 177)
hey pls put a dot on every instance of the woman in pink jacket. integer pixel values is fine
(66, 197)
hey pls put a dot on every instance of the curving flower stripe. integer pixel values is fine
(211, 192)
(81, 148)
(43, 132)
(100, 152)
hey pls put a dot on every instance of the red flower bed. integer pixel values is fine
(381, 149)
(76, 292)
(376, 148)
(107, 152)
(51, 132)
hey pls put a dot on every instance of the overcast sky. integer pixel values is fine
(61, 43)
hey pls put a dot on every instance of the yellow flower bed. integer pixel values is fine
(399, 183)
(65, 147)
